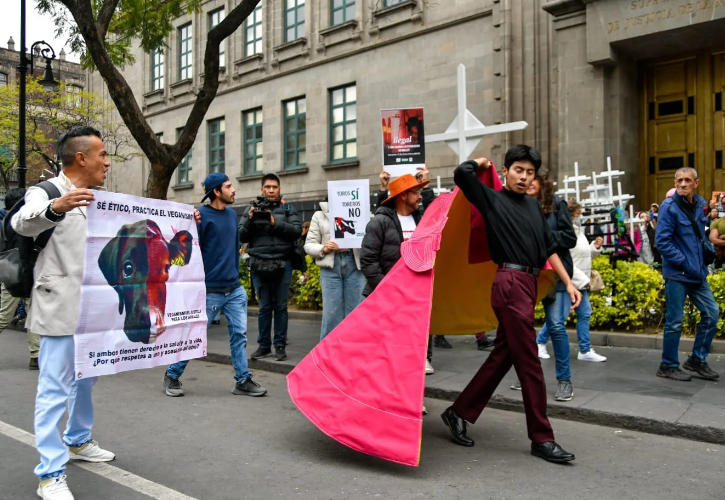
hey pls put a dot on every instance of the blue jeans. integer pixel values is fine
(557, 311)
(273, 296)
(234, 305)
(58, 389)
(701, 297)
(583, 315)
(342, 288)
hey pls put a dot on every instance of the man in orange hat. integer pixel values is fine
(394, 222)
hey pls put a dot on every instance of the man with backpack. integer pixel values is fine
(679, 238)
(56, 291)
(8, 303)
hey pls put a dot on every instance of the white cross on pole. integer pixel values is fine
(465, 132)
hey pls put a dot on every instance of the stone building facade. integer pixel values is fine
(303, 84)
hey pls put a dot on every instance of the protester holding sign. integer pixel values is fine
(55, 309)
(220, 251)
(340, 276)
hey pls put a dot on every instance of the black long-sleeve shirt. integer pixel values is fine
(516, 228)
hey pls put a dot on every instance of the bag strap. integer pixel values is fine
(43, 238)
(689, 216)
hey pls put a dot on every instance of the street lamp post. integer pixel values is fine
(48, 83)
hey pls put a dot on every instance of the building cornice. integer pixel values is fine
(558, 8)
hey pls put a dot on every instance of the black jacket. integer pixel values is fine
(383, 237)
(381, 246)
(562, 230)
(272, 242)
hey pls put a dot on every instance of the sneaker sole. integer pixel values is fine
(664, 375)
(592, 360)
(255, 358)
(245, 393)
(552, 460)
(280, 359)
(73, 456)
(563, 399)
(705, 377)
(172, 395)
(514, 388)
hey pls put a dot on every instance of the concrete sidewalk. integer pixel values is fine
(622, 392)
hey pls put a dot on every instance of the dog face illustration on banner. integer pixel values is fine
(136, 264)
(343, 226)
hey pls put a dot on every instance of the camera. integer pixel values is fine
(263, 210)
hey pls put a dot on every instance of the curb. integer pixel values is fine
(597, 339)
(584, 415)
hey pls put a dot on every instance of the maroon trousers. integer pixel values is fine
(513, 297)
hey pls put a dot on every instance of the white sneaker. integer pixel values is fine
(429, 370)
(55, 488)
(591, 356)
(542, 351)
(91, 452)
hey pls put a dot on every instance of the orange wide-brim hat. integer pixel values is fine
(400, 185)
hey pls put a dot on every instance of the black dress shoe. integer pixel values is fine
(457, 427)
(484, 343)
(440, 341)
(551, 452)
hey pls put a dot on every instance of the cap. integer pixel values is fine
(213, 181)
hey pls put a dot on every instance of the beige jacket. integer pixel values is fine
(319, 235)
(59, 269)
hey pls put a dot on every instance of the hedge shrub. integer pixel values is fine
(633, 298)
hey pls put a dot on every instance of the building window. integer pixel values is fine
(295, 133)
(3, 79)
(342, 10)
(214, 19)
(183, 171)
(253, 146)
(216, 145)
(388, 3)
(253, 32)
(185, 52)
(157, 69)
(343, 123)
(74, 95)
(294, 19)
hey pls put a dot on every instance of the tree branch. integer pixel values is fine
(104, 17)
(211, 74)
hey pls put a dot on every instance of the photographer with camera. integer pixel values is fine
(271, 227)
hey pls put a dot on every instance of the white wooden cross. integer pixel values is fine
(465, 132)
(576, 179)
(566, 190)
(438, 190)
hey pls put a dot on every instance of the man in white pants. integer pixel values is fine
(55, 305)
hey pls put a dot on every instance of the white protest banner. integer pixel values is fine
(143, 298)
(403, 141)
(349, 204)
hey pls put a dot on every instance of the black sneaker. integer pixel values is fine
(280, 354)
(565, 391)
(701, 368)
(249, 388)
(674, 373)
(440, 341)
(261, 353)
(172, 387)
(484, 343)
(33, 365)
(216, 322)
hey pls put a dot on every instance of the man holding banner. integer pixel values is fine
(55, 308)
(220, 245)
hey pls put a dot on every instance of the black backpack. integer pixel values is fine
(19, 253)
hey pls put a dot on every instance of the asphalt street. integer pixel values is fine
(213, 445)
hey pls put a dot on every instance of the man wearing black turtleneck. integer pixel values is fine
(520, 242)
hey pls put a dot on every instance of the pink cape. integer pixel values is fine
(363, 385)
